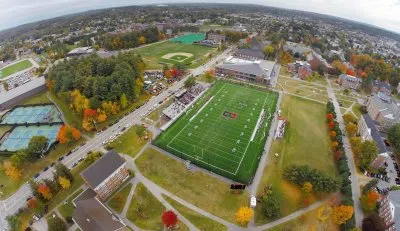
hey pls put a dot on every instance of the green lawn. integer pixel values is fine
(196, 187)
(305, 143)
(152, 54)
(9, 70)
(4, 129)
(70, 117)
(201, 222)
(39, 98)
(145, 210)
(118, 200)
(210, 137)
(129, 143)
(31, 169)
(67, 209)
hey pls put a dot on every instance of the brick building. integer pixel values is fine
(389, 210)
(349, 81)
(106, 174)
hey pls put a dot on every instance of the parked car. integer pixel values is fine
(61, 158)
(36, 176)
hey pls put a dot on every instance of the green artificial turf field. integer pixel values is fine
(153, 54)
(15, 68)
(225, 131)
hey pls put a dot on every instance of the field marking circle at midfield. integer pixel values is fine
(170, 55)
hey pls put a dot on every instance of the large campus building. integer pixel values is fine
(384, 110)
(102, 177)
(389, 211)
(261, 71)
(12, 97)
(106, 174)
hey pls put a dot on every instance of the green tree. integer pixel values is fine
(270, 206)
(269, 51)
(37, 145)
(19, 158)
(56, 224)
(62, 170)
(190, 82)
(369, 151)
(14, 222)
(141, 131)
(123, 101)
(394, 136)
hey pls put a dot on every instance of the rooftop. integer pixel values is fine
(375, 133)
(102, 168)
(257, 67)
(91, 215)
(394, 200)
(11, 94)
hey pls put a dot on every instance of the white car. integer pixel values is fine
(253, 202)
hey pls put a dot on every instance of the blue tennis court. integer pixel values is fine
(32, 114)
(19, 138)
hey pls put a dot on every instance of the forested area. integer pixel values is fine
(95, 88)
(129, 39)
(7, 53)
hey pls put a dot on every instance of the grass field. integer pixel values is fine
(305, 143)
(225, 132)
(9, 70)
(39, 98)
(68, 208)
(152, 54)
(150, 208)
(204, 191)
(118, 200)
(198, 220)
(129, 143)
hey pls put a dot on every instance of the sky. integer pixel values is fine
(381, 13)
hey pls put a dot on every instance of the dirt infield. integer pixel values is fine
(177, 54)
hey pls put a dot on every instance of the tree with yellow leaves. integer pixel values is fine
(244, 215)
(64, 182)
(101, 117)
(142, 40)
(342, 213)
(11, 171)
(307, 187)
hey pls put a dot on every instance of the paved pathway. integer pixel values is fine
(355, 187)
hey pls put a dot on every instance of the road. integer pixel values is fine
(18, 199)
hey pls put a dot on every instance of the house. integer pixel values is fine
(349, 81)
(380, 86)
(300, 68)
(296, 48)
(218, 38)
(256, 50)
(106, 174)
(250, 54)
(92, 215)
(81, 51)
(383, 110)
(261, 71)
(316, 60)
(389, 210)
(17, 94)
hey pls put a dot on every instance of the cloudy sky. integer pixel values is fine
(382, 13)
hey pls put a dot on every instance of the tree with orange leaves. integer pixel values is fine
(168, 74)
(332, 134)
(45, 191)
(342, 213)
(350, 72)
(334, 145)
(244, 215)
(67, 134)
(32, 203)
(369, 201)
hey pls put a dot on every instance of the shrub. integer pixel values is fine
(270, 206)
